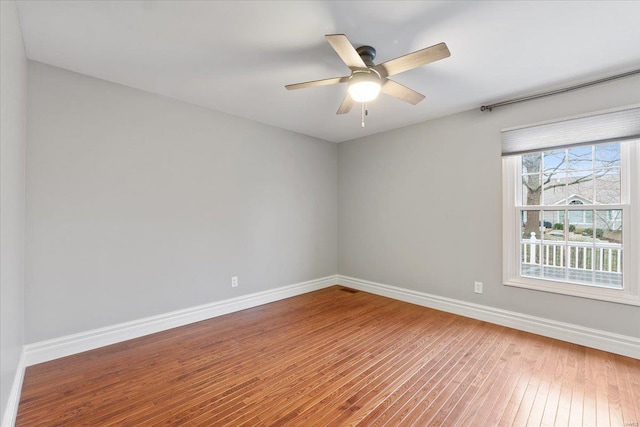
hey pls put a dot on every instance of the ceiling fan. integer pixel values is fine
(367, 80)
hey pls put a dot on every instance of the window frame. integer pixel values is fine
(630, 187)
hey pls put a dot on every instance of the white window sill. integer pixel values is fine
(621, 296)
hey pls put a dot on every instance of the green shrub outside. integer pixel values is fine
(589, 232)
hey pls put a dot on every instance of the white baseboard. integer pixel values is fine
(11, 411)
(594, 338)
(71, 344)
(89, 340)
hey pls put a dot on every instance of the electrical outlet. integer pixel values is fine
(477, 287)
(234, 282)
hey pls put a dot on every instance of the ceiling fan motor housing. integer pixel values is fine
(368, 54)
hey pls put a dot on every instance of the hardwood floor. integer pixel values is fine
(336, 357)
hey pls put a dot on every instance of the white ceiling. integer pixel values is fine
(236, 56)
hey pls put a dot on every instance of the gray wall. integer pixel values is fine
(421, 208)
(138, 205)
(13, 140)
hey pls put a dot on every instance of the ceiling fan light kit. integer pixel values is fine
(364, 86)
(367, 80)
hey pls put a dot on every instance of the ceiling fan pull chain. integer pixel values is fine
(365, 113)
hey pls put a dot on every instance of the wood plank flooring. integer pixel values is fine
(336, 357)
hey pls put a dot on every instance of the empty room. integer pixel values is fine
(319, 213)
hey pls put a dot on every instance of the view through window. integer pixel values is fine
(572, 216)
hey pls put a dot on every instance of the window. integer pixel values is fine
(571, 202)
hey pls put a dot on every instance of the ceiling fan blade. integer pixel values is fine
(346, 105)
(343, 47)
(323, 82)
(413, 60)
(399, 91)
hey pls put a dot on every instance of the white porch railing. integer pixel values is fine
(605, 257)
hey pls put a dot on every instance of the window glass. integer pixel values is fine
(580, 158)
(607, 186)
(607, 156)
(558, 241)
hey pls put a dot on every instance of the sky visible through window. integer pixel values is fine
(590, 174)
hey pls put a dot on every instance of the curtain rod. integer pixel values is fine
(555, 92)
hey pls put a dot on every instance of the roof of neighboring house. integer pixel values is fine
(571, 198)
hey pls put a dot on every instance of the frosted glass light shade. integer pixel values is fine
(364, 86)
